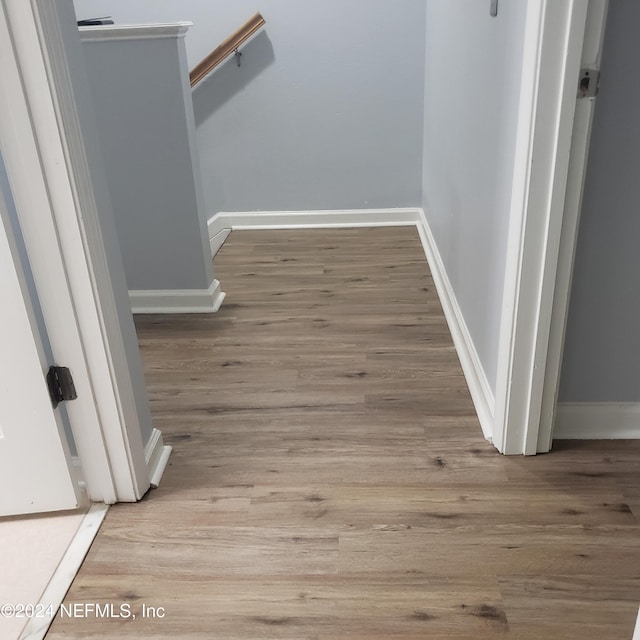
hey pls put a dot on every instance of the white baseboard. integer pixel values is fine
(216, 241)
(56, 590)
(156, 454)
(177, 300)
(312, 219)
(481, 392)
(597, 421)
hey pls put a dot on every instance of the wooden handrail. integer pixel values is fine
(229, 46)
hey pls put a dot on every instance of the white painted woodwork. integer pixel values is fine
(579, 155)
(553, 46)
(35, 470)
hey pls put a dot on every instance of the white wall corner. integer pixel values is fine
(597, 421)
(177, 300)
(479, 387)
(156, 454)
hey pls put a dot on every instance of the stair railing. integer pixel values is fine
(224, 50)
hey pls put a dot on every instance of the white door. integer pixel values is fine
(35, 470)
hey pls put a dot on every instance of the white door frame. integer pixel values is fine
(554, 38)
(591, 59)
(46, 162)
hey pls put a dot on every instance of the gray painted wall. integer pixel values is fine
(602, 349)
(84, 102)
(144, 116)
(472, 86)
(325, 112)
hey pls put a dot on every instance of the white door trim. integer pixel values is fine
(99, 326)
(45, 156)
(552, 51)
(591, 58)
(24, 164)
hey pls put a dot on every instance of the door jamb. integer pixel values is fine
(555, 31)
(591, 58)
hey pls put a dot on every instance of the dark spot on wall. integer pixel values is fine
(582, 555)
(442, 516)
(572, 512)
(356, 374)
(231, 363)
(314, 498)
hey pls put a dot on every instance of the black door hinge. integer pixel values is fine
(60, 383)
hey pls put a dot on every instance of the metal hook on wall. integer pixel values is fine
(238, 55)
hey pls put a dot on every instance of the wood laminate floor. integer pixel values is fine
(330, 480)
